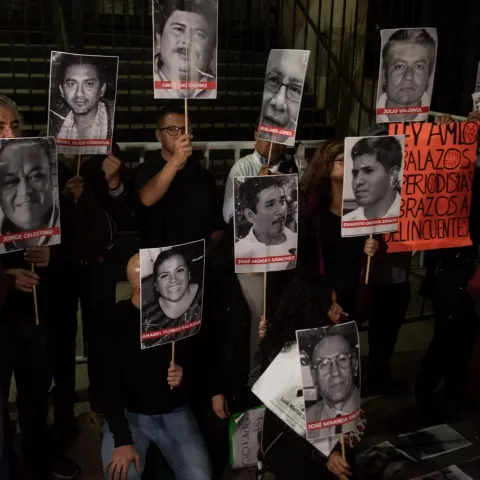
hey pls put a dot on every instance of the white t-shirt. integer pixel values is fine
(250, 247)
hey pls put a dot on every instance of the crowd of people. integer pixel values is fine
(144, 396)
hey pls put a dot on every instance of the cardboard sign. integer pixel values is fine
(81, 109)
(331, 408)
(171, 293)
(29, 203)
(437, 186)
(407, 69)
(185, 49)
(282, 95)
(372, 185)
(265, 223)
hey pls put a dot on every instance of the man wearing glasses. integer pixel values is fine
(177, 199)
(335, 375)
(282, 95)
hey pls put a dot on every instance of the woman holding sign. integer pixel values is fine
(340, 259)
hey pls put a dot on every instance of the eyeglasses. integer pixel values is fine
(274, 83)
(174, 131)
(324, 365)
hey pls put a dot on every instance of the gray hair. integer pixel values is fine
(8, 103)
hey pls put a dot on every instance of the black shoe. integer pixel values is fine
(65, 469)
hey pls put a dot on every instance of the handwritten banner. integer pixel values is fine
(437, 186)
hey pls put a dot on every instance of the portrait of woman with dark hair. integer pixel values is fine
(171, 293)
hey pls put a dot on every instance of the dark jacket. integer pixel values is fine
(89, 226)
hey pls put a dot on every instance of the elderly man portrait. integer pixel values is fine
(282, 94)
(335, 373)
(406, 78)
(185, 41)
(83, 112)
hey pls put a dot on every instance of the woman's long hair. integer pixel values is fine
(317, 180)
(304, 304)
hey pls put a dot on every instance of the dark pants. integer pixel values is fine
(94, 285)
(388, 309)
(450, 350)
(24, 353)
(4, 453)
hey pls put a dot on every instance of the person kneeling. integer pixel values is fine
(145, 399)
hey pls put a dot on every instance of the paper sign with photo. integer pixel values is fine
(29, 203)
(285, 398)
(372, 185)
(81, 106)
(185, 49)
(477, 83)
(430, 442)
(282, 95)
(407, 70)
(330, 366)
(265, 223)
(476, 101)
(171, 292)
(382, 462)
(448, 473)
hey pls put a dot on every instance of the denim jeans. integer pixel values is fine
(177, 436)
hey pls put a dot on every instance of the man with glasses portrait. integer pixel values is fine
(282, 95)
(177, 199)
(335, 374)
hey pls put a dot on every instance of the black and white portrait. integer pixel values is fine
(29, 204)
(185, 48)
(430, 442)
(372, 185)
(81, 113)
(476, 101)
(407, 69)
(265, 223)
(171, 292)
(382, 462)
(330, 364)
(448, 473)
(477, 83)
(282, 95)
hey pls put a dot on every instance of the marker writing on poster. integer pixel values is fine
(437, 185)
(246, 430)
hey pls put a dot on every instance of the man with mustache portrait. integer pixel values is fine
(406, 76)
(185, 38)
(265, 207)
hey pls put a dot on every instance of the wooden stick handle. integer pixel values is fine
(173, 359)
(369, 259)
(186, 114)
(79, 164)
(264, 296)
(35, 300)
(269, 153)
(342, 441)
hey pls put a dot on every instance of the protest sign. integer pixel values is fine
(185, 49)
(29, 203)
(171, 292)
(476, 101)
(372, 184)
(265, 223)
(282, 95)
(405, 79)
(332, 407)
(437, 186)
(244, 437)
(477, 83)
(81, 109)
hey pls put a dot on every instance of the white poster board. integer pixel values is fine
(171, 293)
(29, 203)
(185, 49)
(81, 105)
(372, 185)
(407, 70)
(265, 223)
(282, 95)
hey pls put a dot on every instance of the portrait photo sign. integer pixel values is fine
(437, 186)
(81, 105)
(282, 95)
(265, 223)
(171, 292)
(29, 203)
(185, 38)
(407, 70)
(330, 369)
(372, 185)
